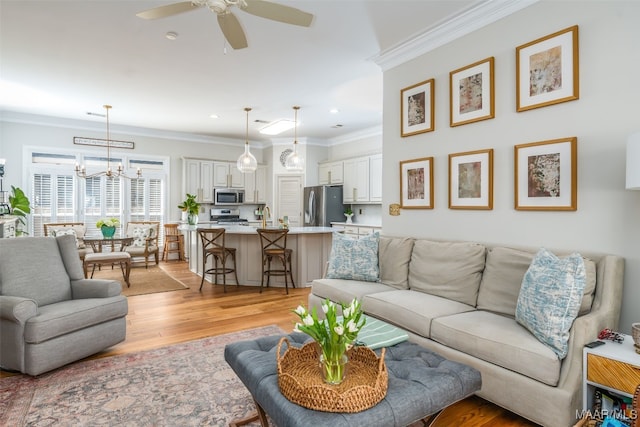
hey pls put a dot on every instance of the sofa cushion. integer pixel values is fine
(394, 255)
(34, 261)
(355, 259)
(499, 340)
(502, 278)
(451, 270)
(342, 290)
(78, 231)
(64, 317)
(411, 310)
(550, 298)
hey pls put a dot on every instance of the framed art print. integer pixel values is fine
(416, 105)
(471, 180)
(547, 70)
(546, 175)
(471, 93)
(416, 183)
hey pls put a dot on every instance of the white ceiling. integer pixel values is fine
(67, 58)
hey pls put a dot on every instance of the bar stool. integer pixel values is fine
(213, 244)
(274, 245)
(173, 242)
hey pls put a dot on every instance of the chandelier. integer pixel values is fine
(247, 162)
(294, 161)
(81, 171)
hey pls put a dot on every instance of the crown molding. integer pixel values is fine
(449, 29)
(64, 123)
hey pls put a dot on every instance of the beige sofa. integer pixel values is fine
(459, 299)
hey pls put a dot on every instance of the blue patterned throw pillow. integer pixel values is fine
(355, 259)
(550, 298)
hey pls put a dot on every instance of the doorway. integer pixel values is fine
(288, 199)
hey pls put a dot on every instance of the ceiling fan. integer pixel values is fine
(228, 22)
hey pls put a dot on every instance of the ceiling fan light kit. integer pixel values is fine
(247, 162)
(228, 22)
(81, 171)
(295, 162)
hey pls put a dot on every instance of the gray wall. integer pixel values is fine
(608, 216)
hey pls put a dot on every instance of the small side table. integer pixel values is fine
(613, 366)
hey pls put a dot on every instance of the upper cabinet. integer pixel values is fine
(227, 175)
(255, 186)
(198, 179)
(363, 180)
(331, 173)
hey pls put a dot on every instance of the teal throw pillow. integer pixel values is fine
(354, 259)
(550, 298)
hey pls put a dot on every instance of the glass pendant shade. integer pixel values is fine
(294, 161)
(247, 162)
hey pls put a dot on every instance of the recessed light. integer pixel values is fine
(214, 116)
(171, 35)
(334, 111)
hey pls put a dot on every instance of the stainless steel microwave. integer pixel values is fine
(228, 196)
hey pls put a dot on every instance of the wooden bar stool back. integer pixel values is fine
(173, 242)
(213, 245)
(274, 245)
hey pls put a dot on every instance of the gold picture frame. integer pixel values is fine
(417, 108)
(416, 183)
(471, 180)
(546, 175)
(472, 93)
(547, 70)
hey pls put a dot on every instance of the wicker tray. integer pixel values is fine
(300, 381)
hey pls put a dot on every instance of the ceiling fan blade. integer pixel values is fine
(278, 12)
(232, 30)
(168, 10)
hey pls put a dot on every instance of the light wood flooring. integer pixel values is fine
(161, 319)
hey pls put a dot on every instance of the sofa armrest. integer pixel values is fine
(95, 288)
(17, 309)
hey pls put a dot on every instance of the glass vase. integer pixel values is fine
(333, 369)
(107, 232)
(192, 219)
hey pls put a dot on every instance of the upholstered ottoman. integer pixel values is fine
(420, 383)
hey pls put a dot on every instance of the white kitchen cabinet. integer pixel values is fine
(255, 186)
(227, 175)
(356, 180)
(375, 178)
(198, 179)
(331, 173)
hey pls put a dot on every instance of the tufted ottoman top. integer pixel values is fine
(420, 383)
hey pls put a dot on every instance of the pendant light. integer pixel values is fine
(247, 162)
(294, 161)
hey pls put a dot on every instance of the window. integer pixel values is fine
(57, 195)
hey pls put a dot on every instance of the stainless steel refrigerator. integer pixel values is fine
(323, 205)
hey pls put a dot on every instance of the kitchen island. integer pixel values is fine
(311, 248)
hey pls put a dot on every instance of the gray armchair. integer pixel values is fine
(50, 315)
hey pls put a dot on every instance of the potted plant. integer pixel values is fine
(20, 207)
(191, 207)
(349, 214)
(108, 226)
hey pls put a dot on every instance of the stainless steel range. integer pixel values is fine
(229, 216)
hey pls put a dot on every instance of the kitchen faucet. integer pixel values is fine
(265, 211)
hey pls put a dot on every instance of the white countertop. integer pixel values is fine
(358, 224)
(248, 229)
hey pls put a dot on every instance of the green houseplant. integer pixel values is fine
(20, 207)
(108, 226)
(191, 207)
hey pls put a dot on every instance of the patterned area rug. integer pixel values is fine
(187, 384)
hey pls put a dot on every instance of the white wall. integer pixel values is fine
(608, 216)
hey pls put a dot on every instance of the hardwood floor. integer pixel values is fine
(161, 319)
